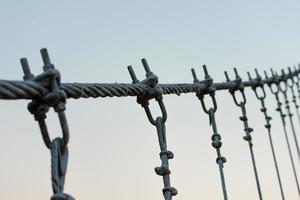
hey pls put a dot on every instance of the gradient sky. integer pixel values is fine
(113, 147)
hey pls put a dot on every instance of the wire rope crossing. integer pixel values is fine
(46, 91)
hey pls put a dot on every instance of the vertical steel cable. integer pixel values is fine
(283, 90)
(267, 126)
(156, 93)
(216, 137)
(283, 116)
(248, 138)
(295, 80)
(39, 107)
(247, 129)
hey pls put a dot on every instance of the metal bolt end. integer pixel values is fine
(227, 77)
(132, 74)
(146, 66)
(26, 69)
(266, 75)
(249, 76)
(205, 72)
(236, 73)
(257, 74)
(194, 75)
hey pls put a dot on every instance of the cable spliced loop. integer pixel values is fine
(244, 119)
(275, 90)
(283, 89)
(56, 99)
(155, 92)
(216, 137)
(263, 109)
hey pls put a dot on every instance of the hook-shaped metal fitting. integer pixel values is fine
(258, 77)
(249, 76)
(209, 90)
(266, 74)
(56, 98)
(238, 87)
(153, 92)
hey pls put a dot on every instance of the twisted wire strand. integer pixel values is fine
(268, 127)
(283, 120)
(14, 89)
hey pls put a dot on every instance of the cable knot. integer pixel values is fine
(170, 190)
(216, 140)
(162, 171)
(167, 153)
(243, 118)
(247, 137)
(249, 130)
(268, 126)
(221, 159)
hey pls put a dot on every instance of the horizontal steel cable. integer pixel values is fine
(11, 89)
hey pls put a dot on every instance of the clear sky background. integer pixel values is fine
(113, 147)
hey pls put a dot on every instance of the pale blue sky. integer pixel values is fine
(113, 148)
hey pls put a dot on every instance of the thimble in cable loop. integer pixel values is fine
(239, 87)
(154, 92)
(56, 98)
(209, 90)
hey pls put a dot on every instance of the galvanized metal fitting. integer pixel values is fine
(55, 98)
(154, 91)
